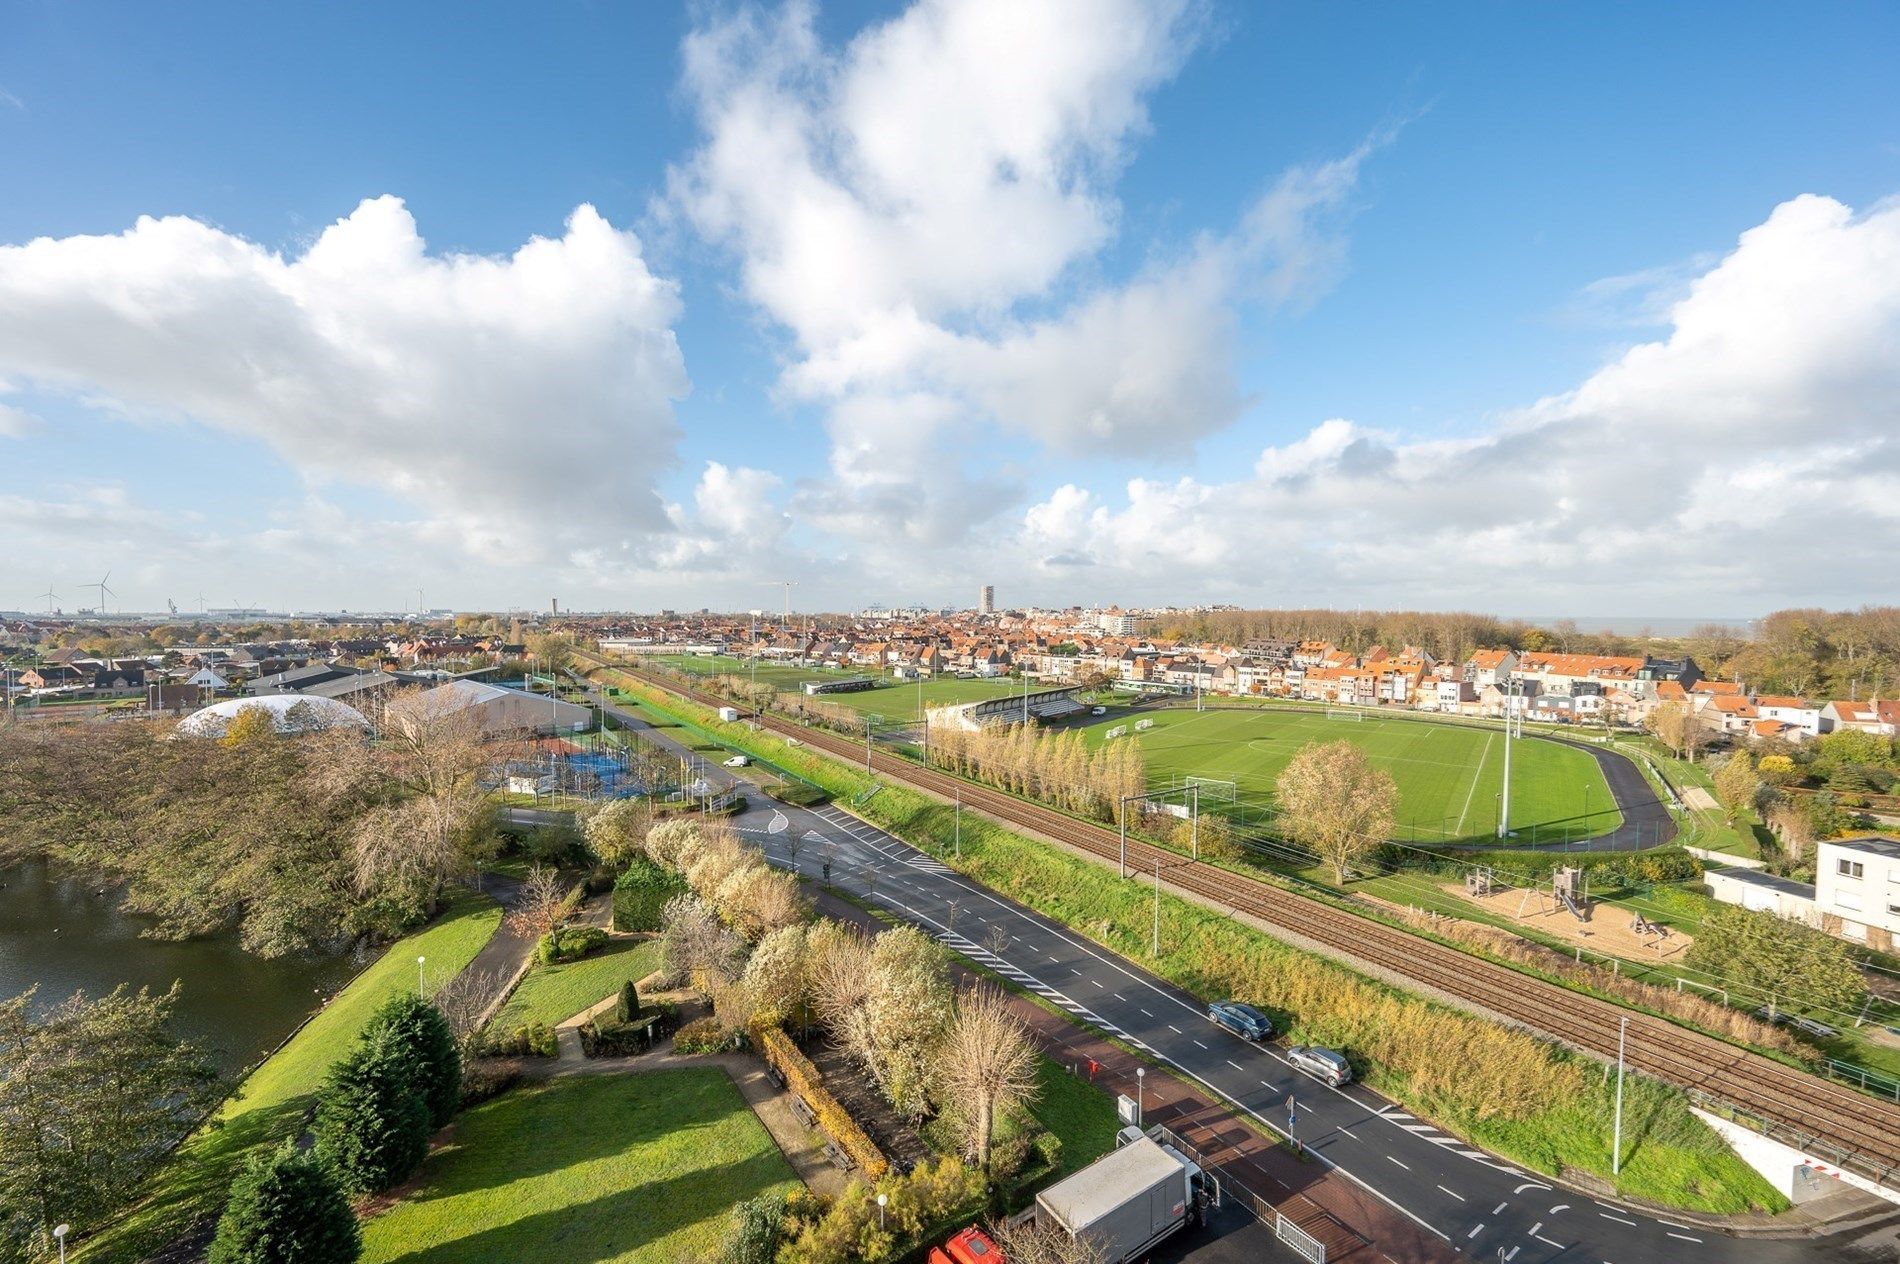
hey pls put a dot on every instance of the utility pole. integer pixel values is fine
(1616, 1141)
(867, 743)
(959, 821)
(1504, 800)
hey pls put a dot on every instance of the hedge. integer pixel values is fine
(642, 892)
(805, 1079)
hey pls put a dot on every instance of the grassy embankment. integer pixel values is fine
(1670, 1157)
(273, 1100)
(624, 1168)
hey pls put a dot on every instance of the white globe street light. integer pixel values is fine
(60, 1231)
(421, 988)
(881, 1200)
(1141, 1104)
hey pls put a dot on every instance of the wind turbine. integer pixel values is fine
(104, 592)
(201, 602)
(51, 597)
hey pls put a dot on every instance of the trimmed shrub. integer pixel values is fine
(530, 1040)
(707, 1035)
(372, 1123)
(758, 1227)
(416, 1034)
(286, 1208)
(642, 892)
(569, 943)
(627, 1005)
(485, 1079)
(805, 1079)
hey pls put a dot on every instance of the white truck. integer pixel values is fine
(1129, 1199)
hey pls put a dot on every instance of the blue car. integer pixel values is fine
(1243, 1020)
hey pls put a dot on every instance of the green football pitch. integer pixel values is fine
(893, 701)
(1449, 776)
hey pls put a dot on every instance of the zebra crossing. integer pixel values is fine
(1438, 1137)
(965, 947)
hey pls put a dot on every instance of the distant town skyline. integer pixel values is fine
(1167, 302)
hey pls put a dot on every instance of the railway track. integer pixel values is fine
(1830, 1121)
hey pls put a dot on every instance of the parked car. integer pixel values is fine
(1098, 710)
(1243, 1020)
(737, 761)
(1320, 1063)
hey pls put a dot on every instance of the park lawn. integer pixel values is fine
(894, 701)
(1082, 1115)
(1449, 775)
(272, 1102)
(550, 993)
(594, 1167)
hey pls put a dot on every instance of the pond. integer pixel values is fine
(66, 934)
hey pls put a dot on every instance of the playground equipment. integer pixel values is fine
(1655, 932)
(1566, 885)
(1567, 890)
(1480, 882)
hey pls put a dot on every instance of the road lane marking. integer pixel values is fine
(1536, 1227)
(1453, 1193)
(1145, 1013)
(1683, 1236)
(1499, 1209)
(1547, 1242)
(1620, 1220)
(1475, 1231)
(1337, 1127)
(1235, 1065)
(1174, 1029)
(1199, 1043)
(1406, 1166)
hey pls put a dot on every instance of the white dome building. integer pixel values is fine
(289, 713)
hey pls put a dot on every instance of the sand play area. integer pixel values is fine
(1608, 929)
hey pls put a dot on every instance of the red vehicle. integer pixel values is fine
(969, 1246)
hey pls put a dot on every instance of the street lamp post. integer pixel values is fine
(1194, 821)
(1616, 1136)
(59, 1232)
(881, 1200)
(421, 985)
(958, 826)
(867, 743)
(1155, 946)
(1141, 1096)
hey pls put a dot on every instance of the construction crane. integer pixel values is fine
(787, 585)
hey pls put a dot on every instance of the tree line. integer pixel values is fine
(297, 843)
(1056, 767)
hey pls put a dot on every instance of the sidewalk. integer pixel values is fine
(1355, 1224)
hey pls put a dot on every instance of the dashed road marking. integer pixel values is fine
(1619, 1219)
(1406, 1166)
(1453, 1193)
(1499, 1209)
(1476, 1230)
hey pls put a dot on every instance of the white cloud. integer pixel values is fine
(921, 211)
(1750, 456)
(494, 393)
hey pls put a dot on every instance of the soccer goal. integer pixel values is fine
(1142, 726)
(1120, 730)
(1335, 713)
(1212, 788)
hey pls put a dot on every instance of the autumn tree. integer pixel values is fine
(986, 1068)
(1040, 1240)
(907, 1007)
(618, 831)
(779, 978)
(1736, 784)
(433, 751)
(1334, 803)
(1675, 726)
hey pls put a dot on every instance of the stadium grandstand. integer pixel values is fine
(850, 684)
(1041, 704)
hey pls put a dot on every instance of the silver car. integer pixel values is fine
(1321, 1063)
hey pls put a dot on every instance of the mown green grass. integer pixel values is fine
(893, 701)
(1671, 1158)
(1449, 776)
(272, 1103)
(601, 1168)
(551, 993)
(1082, 1115)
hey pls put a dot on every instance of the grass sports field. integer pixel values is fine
(894, 700)
(1449, 776)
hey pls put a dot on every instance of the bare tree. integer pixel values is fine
(1335, 803)
(1040, 1240)
(542, 905)
(839, 966)
(986, 1066)
(695, 946)
(432, 749)
(464, 1000)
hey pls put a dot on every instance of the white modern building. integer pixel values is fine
(1857, 889)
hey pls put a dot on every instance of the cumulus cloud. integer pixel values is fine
(1751, 455)
(492, 392)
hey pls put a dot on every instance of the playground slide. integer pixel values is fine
(1570, 902)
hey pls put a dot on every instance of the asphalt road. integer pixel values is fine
(1477, 1204)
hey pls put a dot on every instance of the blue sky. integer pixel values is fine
(1357, 298)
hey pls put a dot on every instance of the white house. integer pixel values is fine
(1765, 893)
(1792, 711)
(1857, 889)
